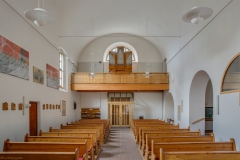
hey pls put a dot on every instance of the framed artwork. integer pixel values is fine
(63, 104)
(38, 75)
(14, 60)
(52, 77)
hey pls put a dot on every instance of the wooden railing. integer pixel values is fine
(199, 120)
(124, 78)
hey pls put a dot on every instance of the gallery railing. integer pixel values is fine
(120, 78)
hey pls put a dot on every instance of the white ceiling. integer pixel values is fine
(72, 29)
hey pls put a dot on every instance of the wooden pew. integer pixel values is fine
(46, 147)
(94, 132)
(79, 139)
(137, 124)
(200, 155)
(166, 134)
(191, 146)
(41, 155)
(175, 139)
(100, 127)
(144, 130)
(72, 134)
(146, 121)
(106, 122)
(168, 126)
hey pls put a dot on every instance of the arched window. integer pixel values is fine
(120, 60)
(231, 77)
(115, 45)
(125, 50)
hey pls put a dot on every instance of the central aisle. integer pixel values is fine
(120, 145)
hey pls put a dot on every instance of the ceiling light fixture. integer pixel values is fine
(92, 74)
(39, 15)
(147, 73)
(197, 14)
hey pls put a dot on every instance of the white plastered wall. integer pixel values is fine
(211, 51)
(13, 124)
(95, 100)
(168, 108)
(149, 105)
(99, 46)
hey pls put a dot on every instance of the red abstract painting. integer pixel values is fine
(14, 60)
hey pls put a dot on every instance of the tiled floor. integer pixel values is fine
(120, 145)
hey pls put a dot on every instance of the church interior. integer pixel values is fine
(122, 65)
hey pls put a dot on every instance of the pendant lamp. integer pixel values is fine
(197, 14)
(39, 16)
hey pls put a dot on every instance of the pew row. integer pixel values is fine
(41, 155)
(152, 126)
(200, 155)
(94, 132)
(186, 132)
(72, 134)
(90, 126)
(191, 146)
(79, 139)
(46, 147)
(164, 139)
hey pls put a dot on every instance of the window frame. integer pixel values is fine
(63, 63)
(224, 75)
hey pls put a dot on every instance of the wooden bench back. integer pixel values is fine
(200, 155)
(191, 146)
(165, 139)
(41, 155)
(133, 121)
(78, 139)
(87, 123)
(100, 127)
(46, 147)
(94, 132)
(144, 130)
(67, 134)
(169, 126)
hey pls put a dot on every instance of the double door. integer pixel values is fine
(120, 113)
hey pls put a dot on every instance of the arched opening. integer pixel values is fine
(112, 47)
(201, 84)
(209, 108)
(169, 107)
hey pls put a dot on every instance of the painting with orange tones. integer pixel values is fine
(14, 60)
(52, 77)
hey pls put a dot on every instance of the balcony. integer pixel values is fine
(125, 82)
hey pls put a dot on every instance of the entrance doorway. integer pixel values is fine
(33, 119)
(120, 109)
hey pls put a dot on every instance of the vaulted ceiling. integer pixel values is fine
(73, 28)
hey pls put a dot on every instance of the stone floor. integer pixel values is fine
(120, 145)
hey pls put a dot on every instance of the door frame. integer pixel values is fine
(38, 116)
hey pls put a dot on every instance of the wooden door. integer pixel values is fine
(33, 119)
(120, 113)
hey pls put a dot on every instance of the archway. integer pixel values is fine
(197, 102)
(169, 107)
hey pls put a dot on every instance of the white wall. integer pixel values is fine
(197, 101)
(99, 45)
(95, 100)
(14, 125)
(149, 105)
(168, 107)
(211, 51)
(209, 95)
